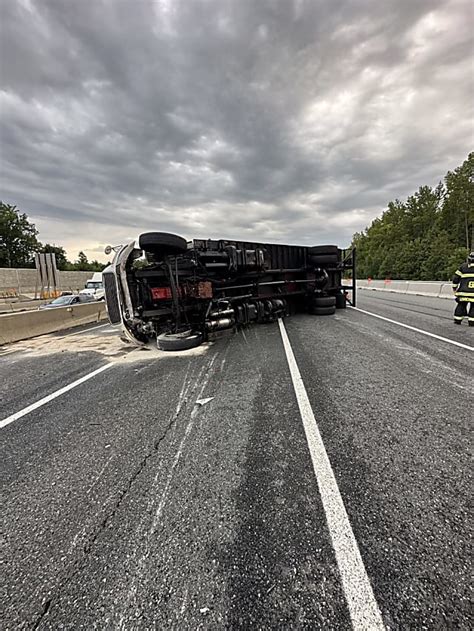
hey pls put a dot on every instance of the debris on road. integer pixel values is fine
(204, 401)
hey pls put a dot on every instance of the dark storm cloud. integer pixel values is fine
(285, 120)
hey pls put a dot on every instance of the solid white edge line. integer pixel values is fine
(413, 328)
(363, 609)
(53, 395)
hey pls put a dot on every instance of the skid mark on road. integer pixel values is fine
(188, 391)
(100, 474)
(363, 608)
(103, 525)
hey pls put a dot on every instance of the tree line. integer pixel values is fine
(425, 237)
(19, 242)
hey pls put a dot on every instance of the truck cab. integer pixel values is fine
(94, 287)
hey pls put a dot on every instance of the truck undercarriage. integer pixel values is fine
(183, 293)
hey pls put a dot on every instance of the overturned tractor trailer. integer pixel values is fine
(182, 293)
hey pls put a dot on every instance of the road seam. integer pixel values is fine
(413, 328)
(363, 609)
(52, 396)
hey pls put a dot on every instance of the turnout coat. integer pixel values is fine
(463, 283)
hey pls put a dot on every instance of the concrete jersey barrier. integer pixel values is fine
(434, 289)
(27, 324)
(21, 305)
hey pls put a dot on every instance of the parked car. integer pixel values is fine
(68, 301)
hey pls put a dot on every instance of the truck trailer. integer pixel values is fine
(182, 293)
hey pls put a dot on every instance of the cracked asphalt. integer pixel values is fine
(130, 502)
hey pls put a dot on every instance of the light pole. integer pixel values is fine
(466, 225)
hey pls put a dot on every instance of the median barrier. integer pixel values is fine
(21, 326)
(424, 288)
(432, 289)
(21, 305)
(398, 286)
(373, 284)
(446, 291)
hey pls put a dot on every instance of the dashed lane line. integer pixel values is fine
(413, 328)
(363, 609)
(53, 395)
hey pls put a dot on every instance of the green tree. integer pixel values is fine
(18, 241)
(425, 237)
(457, 214)
(82, 263)
(95, 266)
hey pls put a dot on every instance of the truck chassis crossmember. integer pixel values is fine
(183, 293)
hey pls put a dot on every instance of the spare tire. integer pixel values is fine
(162, 243)
(322, 310)
(179, 341)
(323, 301)
(324, 249)
(323, 260)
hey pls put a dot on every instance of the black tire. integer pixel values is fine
(318, 250)
(162, 243)
(323, 260)
(322, 310)
(323, 301)
(179, 341)
(341, 302)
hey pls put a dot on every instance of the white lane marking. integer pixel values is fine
(413, 328)
(363, 608)
(100, 326)
(53, 395)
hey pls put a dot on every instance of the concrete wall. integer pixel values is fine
(22, 281)
(22, 326)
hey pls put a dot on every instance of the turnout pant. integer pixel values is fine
(461, 311)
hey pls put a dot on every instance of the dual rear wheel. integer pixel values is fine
(322, 305)
(326, 305)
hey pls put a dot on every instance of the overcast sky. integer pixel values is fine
(287, 121)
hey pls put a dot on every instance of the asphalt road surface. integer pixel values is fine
(225, 488)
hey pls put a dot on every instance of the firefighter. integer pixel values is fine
(463, 288)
